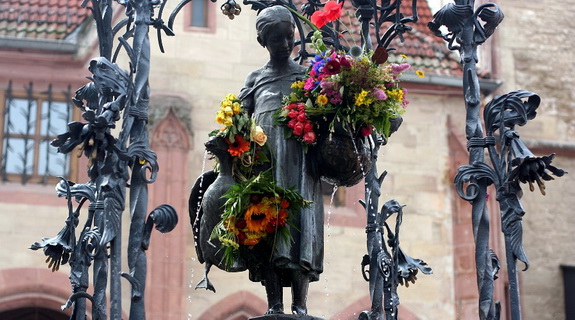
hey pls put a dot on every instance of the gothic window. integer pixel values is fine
(29, 120)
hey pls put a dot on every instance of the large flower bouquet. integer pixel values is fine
(358, 90)
(257, 212)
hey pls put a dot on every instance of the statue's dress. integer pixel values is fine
(262, 96)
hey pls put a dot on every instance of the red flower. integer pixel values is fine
(282, 217)
(242, 224)
(332, 13)
(366, 131)
(319, 18)
(239, 146)
(308, 127)
(344, 62)
(309, 137)
(333, 10)
(272, 226)
(301, 117)
(298, 129)
(332, 67)
(241, 238)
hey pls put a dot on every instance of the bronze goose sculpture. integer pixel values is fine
(205, 208)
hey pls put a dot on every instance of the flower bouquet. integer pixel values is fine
(344, 96)
(255, 217)
(246, 140)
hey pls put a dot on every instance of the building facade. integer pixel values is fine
(209, 58)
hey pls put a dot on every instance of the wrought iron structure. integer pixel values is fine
(116, 164)
(389, 266)
(512, 163)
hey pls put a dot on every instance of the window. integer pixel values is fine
(200, 16)
(29, 120)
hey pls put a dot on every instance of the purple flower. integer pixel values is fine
(327, 85)
(400, 68)
(378, 94)
(335, 98)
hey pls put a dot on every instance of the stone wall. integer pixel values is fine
(537, 54)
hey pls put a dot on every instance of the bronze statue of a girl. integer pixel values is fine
(300, 261)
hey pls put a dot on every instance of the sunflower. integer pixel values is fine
(420, 73)
(238, 147)
(257, 217)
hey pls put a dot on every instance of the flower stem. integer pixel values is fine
(304, 19)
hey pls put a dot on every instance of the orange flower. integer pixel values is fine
(252, 239)
(239, 146)
(257, 217)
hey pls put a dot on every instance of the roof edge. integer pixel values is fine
(64, 46)
(487, 86)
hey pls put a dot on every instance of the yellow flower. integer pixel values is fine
(403, 56)
(258, 135)
(420, 73)
(229, 243)
(360, 99)
(231, 96)
(297, 85)
(322, 100)
(220, 117)
(230, 225)
(236, 107)
(225, 103)
(228, 121)
(395, 94)
(228, 111)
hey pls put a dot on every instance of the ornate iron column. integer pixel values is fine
(115, 165)
(511, 161)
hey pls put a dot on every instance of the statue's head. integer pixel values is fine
(275, 27)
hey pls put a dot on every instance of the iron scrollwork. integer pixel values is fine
(512, 162)
(115, 165)
(385, 266)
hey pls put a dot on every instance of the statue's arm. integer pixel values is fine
(247, 92)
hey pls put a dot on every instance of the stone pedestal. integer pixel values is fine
(285, 317)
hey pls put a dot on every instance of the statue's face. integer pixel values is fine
(279, 41)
